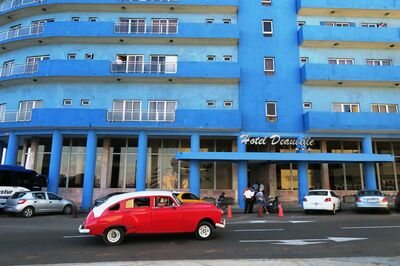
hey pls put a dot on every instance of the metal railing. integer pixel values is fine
(141, 67)
(120, 115)
(156, 1)
(18, 69)
(9, 4)
(143, 28)
(15, 116)
(20, 32)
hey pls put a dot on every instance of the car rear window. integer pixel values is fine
(18, 195)
(370, 193)
(318, 193)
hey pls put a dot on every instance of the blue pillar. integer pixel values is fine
(141, 162)
(195, 166)
(55, 162)
(302, 170)
(242, 174)
(369, 169)
(12, 149)
(90, 170)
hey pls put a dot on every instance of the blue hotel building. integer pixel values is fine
(202, 95)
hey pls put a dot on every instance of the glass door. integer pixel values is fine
(7, 69)
(134, 64)
(32, 62)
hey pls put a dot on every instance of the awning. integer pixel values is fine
(285, 157)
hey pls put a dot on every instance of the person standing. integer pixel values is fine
(248, 197)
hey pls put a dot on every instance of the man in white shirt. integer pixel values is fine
(249, 201)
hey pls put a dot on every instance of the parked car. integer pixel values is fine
(150, 212)
(371, 199)
(101, 200)
(187, 197)
(323, 200)
(27, 203)
(397, 201)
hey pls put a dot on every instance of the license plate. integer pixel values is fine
(372, 200)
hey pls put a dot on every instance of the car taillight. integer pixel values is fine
(385, 200)
(328, 200)
(358, 200)
(21, 201)
(304, 199)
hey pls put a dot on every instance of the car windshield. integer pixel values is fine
(370, 193)
(177, 200)
(18, 195)
(318, 193)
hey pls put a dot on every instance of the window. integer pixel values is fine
(336, 24)
(162, 110)
(71, 56)
(53, 196)
(228, 104)
(211, 57)
(269, 66)
(209, 20)
(211, 103)
(165, 26)
(163, 202)
(163, 63)
(114, 207)
(76, 19)
(346, 107)
(341, 61)
(303, 60)
(37, 26)
(301, 23)
(132, 25)
(14, 31)
(128, 64)
(32, 62)
(227, 58)
(89, 56)
(374, 25)
(67, 102)
(307, 105)
(126, 110)
(85, 102)
(25, 109)
(8, 68)
(227, 21)
(270, 110)
(92, 19)
(267, 28)
(379, 62)
(266, 2)
(137, 203)
(3, 107)
(384, 108)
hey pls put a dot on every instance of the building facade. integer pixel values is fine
(202, 95)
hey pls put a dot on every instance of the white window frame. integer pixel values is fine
(271, 117)
(211, 58)
(343, 105)
(379, 62)
(211, 103)
(25, 109)
(227, 21)
(67, 102)
(164, 25)
(307, 105)
(228, 104)
(75, 19)
(85, 102)
(160, 115)
(301, 23)
(339, 60)
(270, 32)
(374, 25)
(92, 19)
(89, 56)
(337, 24)
(269, 71)
(3, 107)
(304, 60)
(71, 56)
(209, 20)
(227, 58)
(266, 2)
(126, 112)
(386, 106)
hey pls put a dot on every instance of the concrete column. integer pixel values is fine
(325, 168)
(141, 162)
(32, 152)
(12, 149)
(104, 163)
(90, 170)
(55, 162)
(242, 174)
(194, 179)
(369, 169)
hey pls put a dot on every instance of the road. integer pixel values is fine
(53, 239)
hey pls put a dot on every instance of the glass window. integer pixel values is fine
(207, 175)
(53, 196)
(353, 176)
(223, 175)
(269, 66)
(72, 162)
(336, 176)
(386, 175)
(315, 176)
(163, 201)
(267, 28)
(383, 147)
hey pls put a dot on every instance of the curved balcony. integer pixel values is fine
(182, 119)
(349, 37)
(351, 122)
(103, 70)
(349, 8)
(15, 9)
(110, 32)
(350, 75)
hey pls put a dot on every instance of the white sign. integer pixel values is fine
(275, 140)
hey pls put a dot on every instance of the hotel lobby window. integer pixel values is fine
(287, 177)
(388, 173)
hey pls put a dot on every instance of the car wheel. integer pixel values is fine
(28, 212)
(67, 210)
(204, 231)
(113, 236)
(333, 210)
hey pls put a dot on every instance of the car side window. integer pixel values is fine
(137, 203)
(333, 194)
(39, 195)
(114, 207)
(53, 197)
(163, 201)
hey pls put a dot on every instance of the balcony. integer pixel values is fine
(102, 119)
(15, 116)
(103, 70)
(110, 32)
(350, 75)
(349, 37)
(115, 115)
(17, 9)
(351, 122)
(349, 8)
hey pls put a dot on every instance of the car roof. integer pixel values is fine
(98, 211)
(16, 168)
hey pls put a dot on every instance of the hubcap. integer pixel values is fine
(113, 235)
(204, 231)
(28, 212)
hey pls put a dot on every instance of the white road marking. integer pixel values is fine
(297, 243)
(258, 230)
(84, 236)
(303, 242)
(371, 227)
(301, 222)
(270, 222)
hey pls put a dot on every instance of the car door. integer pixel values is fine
(336, 200)
(40, 202)
(166, 215)
(137, 215)
(55, 202)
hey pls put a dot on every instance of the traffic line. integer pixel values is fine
(258, 230)
(269, 222)
(304, 242)
(371, 227)
(84, 236)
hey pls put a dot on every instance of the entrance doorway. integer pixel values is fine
(260, 172)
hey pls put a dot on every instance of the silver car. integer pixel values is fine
(30, 202)
(371, 199)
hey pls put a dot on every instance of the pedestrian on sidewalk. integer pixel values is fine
(260, 200)
(248, 200)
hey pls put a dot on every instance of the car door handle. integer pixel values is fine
(35, 201)
(50, 202)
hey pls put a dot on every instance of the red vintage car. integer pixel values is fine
(150, 212)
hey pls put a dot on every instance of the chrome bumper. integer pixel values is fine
(82, 230)
(220, 225)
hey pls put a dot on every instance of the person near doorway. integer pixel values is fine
(248, 197)
(260, 200)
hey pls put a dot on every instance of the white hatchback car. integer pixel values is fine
(323, 200)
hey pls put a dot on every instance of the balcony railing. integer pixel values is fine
(15, 116)
(151, 1)
(143, 28)
(141, 67)
(20, 32)
(6, 5)
(18, 69)
(118, 115)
